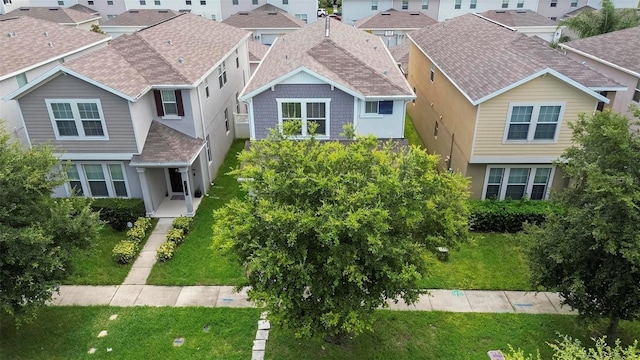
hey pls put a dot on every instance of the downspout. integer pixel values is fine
(204, 136)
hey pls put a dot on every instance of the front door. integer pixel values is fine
(175, 178)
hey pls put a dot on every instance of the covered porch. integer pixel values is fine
(172, 171)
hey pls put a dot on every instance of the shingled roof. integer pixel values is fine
(141, 17)
(483, 58)
(58, 15)
(394, 19)
(401, 54)
(257, 50)
(165, 145)
(28, 42)
(356, 60)
(518, 18)
(266, 16)
(179, 51)
(621, 48)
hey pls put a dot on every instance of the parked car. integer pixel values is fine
(336, 15)
(322, 12)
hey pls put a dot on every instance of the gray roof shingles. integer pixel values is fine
(394, 19)
(355, 59)
(166, 145)
(266, 16)
(495, 57)
(518, 18)
(621, 48)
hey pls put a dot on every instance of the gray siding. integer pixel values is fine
(114, 108)
(265, 106)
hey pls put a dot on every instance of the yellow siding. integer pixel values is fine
(493, 118)
(440, 101)
(477, 173)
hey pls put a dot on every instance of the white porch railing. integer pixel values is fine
(241, 124)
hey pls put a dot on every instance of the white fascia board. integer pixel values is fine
(243, 96)
(396, 97)
(613, 88)
(94, 156)
(55, 58)
(160, 165)
(512, 159)
(605, 62)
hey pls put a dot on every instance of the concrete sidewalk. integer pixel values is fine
(142, 266)
(223, 296)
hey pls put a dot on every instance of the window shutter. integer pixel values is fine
(158, 97)
(179, 103)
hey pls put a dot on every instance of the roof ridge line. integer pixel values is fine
(159, 55)
(168, 142)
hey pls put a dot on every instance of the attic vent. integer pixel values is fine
(12, 34)
(163, 11)
(500, 11)
(272, 13)
(385, 14)
(24, 9)
(385, 72)
(53, 9)
(243, 13)
(415, 13)
(46, 33)
(521, 11)
(169, 42)
(133, 11)
(50, 44)
(181, 60)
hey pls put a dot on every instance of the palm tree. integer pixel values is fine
(605, 20)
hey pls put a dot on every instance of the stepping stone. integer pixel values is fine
(113, 317)
(264, 325)
(259, 345)
(257, 355)
(262, 335)
(102, 333)
(263, 315)
(92, 351)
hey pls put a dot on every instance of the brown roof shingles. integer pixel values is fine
(394, 19)
(38, 41)
(621, 48)
(401, 54)
(179, 51)
(266, 16)
(518, 18)
(257, 50)
(496, 57)
(141, 17)
(166, 145)
(355, 59)
(58, 15)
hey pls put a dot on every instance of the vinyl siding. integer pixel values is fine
(114, 108)
(493, 118)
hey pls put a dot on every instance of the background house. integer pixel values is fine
(617, 55)
(134, 20)
(332, 74)
(60, 15)
(29, 48)
(527, 22)
(498, 110)
(392, 25)
(265, 23)
(149, 116)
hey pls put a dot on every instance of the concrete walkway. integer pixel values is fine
(142, 266)
(224, 296)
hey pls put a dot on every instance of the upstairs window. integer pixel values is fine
(374, 4)
(458, 4)
(222, 74)
(234, 2)
(533, 122)
(553, 3)
(520, 4)
(505, 4)
(302, 17)
(169, 103)
(80, 119)
(254, 2)
(473, 4)
(405, 4)
(636, 93)
(432, 74)
(517, 182)
(21, 79)
(378, 107)
(574, 3)
(425, 4)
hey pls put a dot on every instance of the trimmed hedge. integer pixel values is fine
(166, 250)
(125, 251)
(118, 212)
(507, 215)
(183, 223)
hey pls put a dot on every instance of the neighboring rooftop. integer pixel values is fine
(401, 54)
(179, 51)
(166, 145)
(85, 9)
(352, 58)
(266, 16)
(257, 50)
(579, 10)
(141, 17)
(394, 19)
(60, 15)
(28, 42)
(496, 58)
(518, 18)
(621, 48)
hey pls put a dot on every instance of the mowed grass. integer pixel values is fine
(137, 333)
(440, 335)
(95, 266)
(492, 261)
(410, 132)
(195, 262)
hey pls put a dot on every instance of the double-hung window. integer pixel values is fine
(374, 4)
(574, 3)
(520, 4)
(517, 182)
(636, 93)
(169, 102)
(378, 107)
(530, 122)
(307, 112)
(505, 4)
(405, 4)
(458, 4)
(425, 4)
(97, 180)
(554, 3)
(473, 4)
(222, 74)
(78, 119)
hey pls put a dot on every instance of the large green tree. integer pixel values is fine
(331, 231)
(605, 20)
(37, 232)
(590, 252)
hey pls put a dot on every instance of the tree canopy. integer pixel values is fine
(590, 252)
(332, 230)
(37, 232)
(605, 20)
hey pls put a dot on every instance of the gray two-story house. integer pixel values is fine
(149, 116)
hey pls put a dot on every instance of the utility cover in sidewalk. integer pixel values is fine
(178, 341)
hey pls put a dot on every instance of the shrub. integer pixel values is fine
(136, 234)
(125, 251)
(118, 212)
(507, 215)
(165, 251)
(183, 223)
(175, 236)
(143, 222)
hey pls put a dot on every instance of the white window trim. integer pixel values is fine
(505, 178)
(108, 180)
(77, 120)
(363, 109)
(534, 122)
(303, 112)
(164, 110)
(222, 76)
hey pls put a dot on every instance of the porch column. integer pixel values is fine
(186, 184)
(146, 194)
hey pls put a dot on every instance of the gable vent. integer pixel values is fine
(54, 9)
(385, 14)
(133, 11)
(500, 11)
(415, 13)
(272, 13)
(24, 9)
(521, 11)
(12, 34)
(163, 11)
(243, 13)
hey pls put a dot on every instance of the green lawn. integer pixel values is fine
(410, 132)
(447, 336)
(95, 266)
(137, 333)
(195, 262)
(492, 262)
